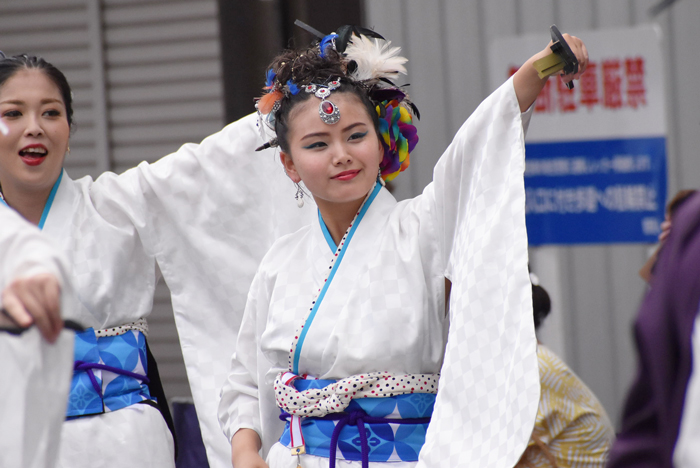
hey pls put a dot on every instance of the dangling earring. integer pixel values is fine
(379, 178)
(299, 196)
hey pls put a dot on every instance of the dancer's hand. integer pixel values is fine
(528, 84)
(245, 448)
(34, 300)
(579, 49)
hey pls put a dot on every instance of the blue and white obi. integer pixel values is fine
(370, 429)
(109, 372)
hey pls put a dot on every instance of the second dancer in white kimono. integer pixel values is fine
(195, 213)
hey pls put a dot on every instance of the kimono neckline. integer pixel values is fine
(49, 201)
(340, 253)
(324, 229)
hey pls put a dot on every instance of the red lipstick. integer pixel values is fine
(346, 175)
(33, 155)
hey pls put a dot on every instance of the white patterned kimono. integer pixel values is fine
(35, 374)
(205, 215)
(385, 307)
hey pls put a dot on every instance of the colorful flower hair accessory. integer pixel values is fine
(398, 135)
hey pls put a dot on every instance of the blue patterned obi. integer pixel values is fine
(109, 373)
(370, 429)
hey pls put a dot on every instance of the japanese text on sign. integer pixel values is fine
(612, 83)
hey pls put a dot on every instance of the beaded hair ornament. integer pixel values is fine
(369, 62)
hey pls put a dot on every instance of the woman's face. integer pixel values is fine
(338, 163)
(31, 156)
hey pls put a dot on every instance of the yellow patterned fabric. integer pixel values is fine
(572, 428)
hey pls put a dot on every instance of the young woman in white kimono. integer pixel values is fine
(35, 365)
(345, 331)
(196, 214)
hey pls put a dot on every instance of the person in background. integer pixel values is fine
(647, 271)
(572, 428)
(35, 365)
(203, 217)
(661, 417)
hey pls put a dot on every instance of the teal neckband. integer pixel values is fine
(49, 201)
(334, 268)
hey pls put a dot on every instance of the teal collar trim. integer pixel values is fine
(336, 265)
(49, 202)
(326, 233)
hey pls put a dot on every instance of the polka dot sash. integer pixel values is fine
(336, 397)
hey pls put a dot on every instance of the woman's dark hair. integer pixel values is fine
(676, 202)
(541, 305)
(308, 66)
(11, 65)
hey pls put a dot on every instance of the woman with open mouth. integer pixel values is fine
(204, 215)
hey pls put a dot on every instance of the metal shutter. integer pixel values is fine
(146, 78)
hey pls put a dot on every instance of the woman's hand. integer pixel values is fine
(528, 84)
(245, 450)
(665, 229)
(35, 300)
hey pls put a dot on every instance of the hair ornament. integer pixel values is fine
(270, 79)
(327, 110)
(398, 136)
(374, 59)
(328, 41)
(293, 88)
(268, 101)
(346, 32)
(270, 144)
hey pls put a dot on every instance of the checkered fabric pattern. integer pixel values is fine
(207, 213)
(489, 385)
(384, 309)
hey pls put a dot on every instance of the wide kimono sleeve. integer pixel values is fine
(35, 374)
(489, 385)
(239, 407)
(25, 251)
(208, 213)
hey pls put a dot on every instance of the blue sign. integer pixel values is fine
(595, 192)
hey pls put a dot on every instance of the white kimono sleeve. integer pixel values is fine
(239, 407)
(35, 374)
(25, 251)
(489, 385)
(208, 213)
(686, 453)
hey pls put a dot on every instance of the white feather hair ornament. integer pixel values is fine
(375, 58)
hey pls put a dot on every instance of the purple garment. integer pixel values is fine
(663, 333)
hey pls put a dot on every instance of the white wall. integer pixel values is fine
(595, 289)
